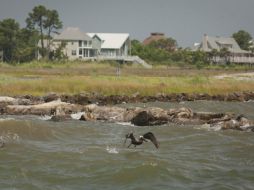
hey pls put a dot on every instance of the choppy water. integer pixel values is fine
(77, 155)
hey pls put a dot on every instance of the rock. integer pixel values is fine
(50, 108)
(106, 113)
(58, 118)
(143, 118)
(180, 113)
(7, 100)
(150, 116)
(231, 124)
(130, 113)
(87, 117)
(51, 97)
(207, 116)
(249, 129)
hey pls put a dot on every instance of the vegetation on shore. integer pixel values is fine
(77, 77)
(175, 70)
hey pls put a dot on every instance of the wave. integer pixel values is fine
(45, 117)
(209, 127)
(6, 119)
(112, 150)
(77, 116)
(10, 137)
(125, 124)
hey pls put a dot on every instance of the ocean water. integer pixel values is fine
(78, 155)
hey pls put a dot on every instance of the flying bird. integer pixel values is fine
(147, 136)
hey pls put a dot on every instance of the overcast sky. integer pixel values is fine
(184, 20)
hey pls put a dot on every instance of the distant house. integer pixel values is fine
(81, 45)
(216, 44)
(77, 43)
(112, 44)
(93, 46)
(155, 36)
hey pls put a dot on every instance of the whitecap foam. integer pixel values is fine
(6, 119)
(125, 124)
(112, 150)
(215, 127)
(204, 126)
(153, 164)
(209, 127)
(45, 117)
(77, 116)
(10, 137)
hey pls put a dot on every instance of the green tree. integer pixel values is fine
(9, 29)
(26, 49)
(58, 53)
(45, 22)
(149, 53)
(212, 55)
(52, 24)
(168, 44)
(225, 53)
(35, 21)
(243, 39)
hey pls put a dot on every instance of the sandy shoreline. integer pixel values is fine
(237, 76)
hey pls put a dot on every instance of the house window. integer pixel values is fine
(80, 43)
(80, 51)
(72, 43)
(85, 43)
(73, 52)
(90, 43)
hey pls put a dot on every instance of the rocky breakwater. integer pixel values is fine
(157, 116)
(150, 116)
(90, 98)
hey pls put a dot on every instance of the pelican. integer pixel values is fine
(150, 136)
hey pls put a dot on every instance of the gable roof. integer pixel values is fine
(72, 33)
(155, 36)
(210, 42)
(111, 40)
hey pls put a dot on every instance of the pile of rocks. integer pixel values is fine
(90, 98)
(138, 116)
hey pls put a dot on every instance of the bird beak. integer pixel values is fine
(126, 136)
(125, 142)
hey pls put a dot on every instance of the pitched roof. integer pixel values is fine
(72, 33)
(218, 42)
(155, 36)
(111, 40)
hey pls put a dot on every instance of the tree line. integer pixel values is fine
(21, 44)
(165, 51)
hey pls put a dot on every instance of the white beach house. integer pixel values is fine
(81, 45)
(236, 54)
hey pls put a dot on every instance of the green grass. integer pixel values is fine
(39, 78)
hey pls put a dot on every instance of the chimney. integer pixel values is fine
(204, 43)
(157, 34)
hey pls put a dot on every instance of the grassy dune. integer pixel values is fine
(72, 78)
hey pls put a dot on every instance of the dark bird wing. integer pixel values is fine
(152, 138)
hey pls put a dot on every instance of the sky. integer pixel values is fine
(184, 20)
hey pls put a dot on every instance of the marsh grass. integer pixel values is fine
(39, 78)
